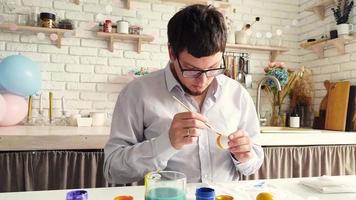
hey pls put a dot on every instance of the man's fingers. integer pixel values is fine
(239, 141)
(190, 140)
(240, 149)
(191, 115)
(237, 134)
(191, 132)
(192, 123)
(188, 120)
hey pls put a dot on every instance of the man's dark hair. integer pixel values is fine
(198, 28)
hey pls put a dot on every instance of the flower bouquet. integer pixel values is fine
(138, 72)
(135, 73)
(342, 11)
(287, 79)
(301, 98)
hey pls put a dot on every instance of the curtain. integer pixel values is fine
(50, 170)
(306, 161)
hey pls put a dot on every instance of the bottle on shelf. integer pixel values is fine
(294, 120)
(34, 17)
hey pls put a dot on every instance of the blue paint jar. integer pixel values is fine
(205, 193)
(77, 195)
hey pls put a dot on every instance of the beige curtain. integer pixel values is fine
(48, 170)
(306, 161)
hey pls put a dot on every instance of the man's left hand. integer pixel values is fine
(240, 145)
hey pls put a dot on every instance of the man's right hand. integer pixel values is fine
(185, 128)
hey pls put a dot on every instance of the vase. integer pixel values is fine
(241, 37)
(344, 29)
(231, 37)
(276, 117)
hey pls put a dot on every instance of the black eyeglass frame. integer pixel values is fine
(222, 70)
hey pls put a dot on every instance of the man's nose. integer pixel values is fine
(202, 77)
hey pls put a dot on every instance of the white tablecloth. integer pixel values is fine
(284, 189)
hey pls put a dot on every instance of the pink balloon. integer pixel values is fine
(16, 110)
(2, 107)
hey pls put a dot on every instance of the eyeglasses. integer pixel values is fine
(193, 73)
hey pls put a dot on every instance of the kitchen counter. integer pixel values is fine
(21, 138)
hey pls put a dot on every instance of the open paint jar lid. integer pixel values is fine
(77, 195)
(224, 197)
(123, 197)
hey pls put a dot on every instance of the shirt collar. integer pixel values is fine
(217, 86)
(172, 82)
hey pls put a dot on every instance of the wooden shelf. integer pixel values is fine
(112, 37)
(59, 32)
(320, 7)
(218, 4)
(275, 51)
(338, 43)
(127, 3)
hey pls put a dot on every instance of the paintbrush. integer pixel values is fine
(50, 107)
(40, 111)
(29, 111)
(206, 123)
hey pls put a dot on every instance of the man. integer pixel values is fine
(152, 131)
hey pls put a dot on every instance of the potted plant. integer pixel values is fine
(341, 14)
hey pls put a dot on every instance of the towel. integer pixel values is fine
(327, 184)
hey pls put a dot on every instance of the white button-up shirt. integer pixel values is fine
(139, 140)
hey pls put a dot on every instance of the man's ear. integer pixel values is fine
(172, 56)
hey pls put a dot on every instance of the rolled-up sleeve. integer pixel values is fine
(250, 124)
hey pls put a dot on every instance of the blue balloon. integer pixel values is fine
(2, 89)
(20, 75)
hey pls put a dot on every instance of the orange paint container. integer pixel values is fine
(123, 197)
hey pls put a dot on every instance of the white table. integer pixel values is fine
(287, 189)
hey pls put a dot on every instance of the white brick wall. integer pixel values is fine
(67, 77)
(21, 47)
(63, 5)
(91, 77)
(88, 69)
(52, 49)
(333, 66)
(38, 3)
(81, 86)
(58, 58)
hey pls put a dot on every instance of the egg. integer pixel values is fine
(222, 142)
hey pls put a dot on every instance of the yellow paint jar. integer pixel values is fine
(224, 197)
